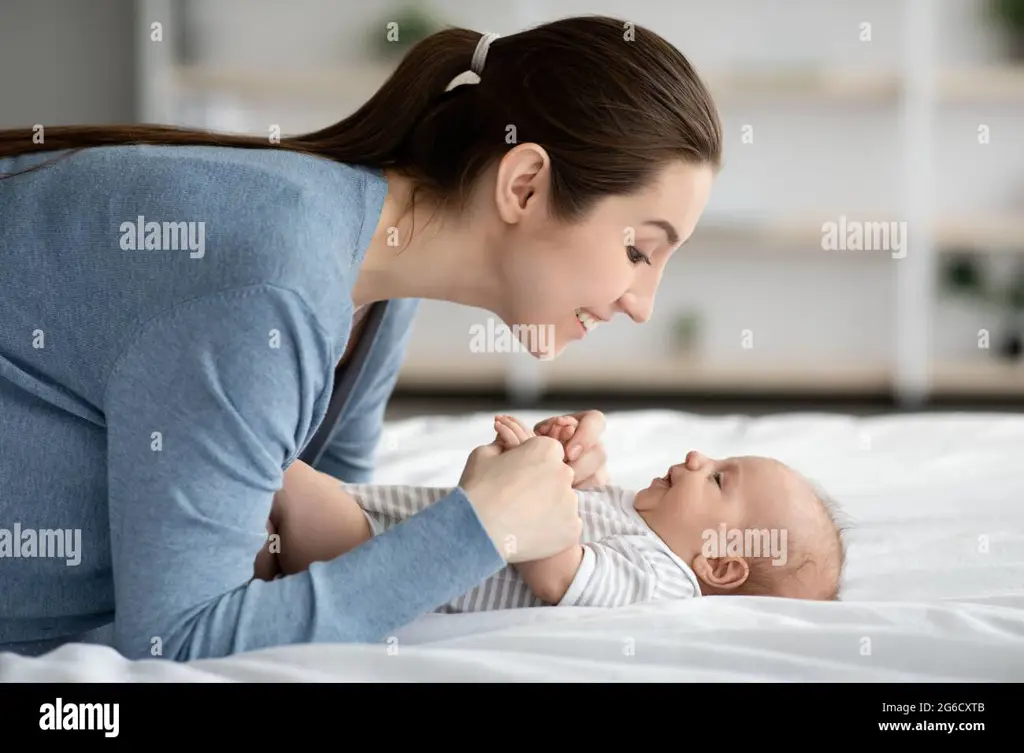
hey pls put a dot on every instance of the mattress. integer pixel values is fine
(933, 590)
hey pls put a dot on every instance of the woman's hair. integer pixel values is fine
(611, 102)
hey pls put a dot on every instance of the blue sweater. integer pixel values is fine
(155, 382)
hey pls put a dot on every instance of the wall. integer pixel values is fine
(66, 61)
(811, 160)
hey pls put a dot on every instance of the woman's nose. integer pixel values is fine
(638, 302)
(637, 308)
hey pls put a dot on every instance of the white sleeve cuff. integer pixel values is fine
(374, 528)
(579, 583)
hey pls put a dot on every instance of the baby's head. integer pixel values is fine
(747, 526)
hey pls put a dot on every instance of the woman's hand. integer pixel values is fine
(580, 434)
(524, 498)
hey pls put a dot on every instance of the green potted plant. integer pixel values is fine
(962, 278)
(1012, 346)
(401, 29)
(686, 332)
(1009, 14)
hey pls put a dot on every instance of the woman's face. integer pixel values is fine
(564, 280)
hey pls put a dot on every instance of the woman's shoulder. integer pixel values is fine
(271, 215)
(285, 183)
(195, 221)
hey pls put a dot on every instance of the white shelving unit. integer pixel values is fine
(915, 273)
(918, 88)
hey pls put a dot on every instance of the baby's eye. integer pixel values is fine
(717, 476)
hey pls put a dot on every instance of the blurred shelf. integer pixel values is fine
(987, 85)
(359, 81)
(982, 232)
(447, 371)
(805, 84)
(971, 233)
(667, 375)
(356, 81)
(985, 378)
(681, 373)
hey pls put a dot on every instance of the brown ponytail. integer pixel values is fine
(610, 101)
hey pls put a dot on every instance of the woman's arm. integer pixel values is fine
(349, 455)
(205, 407)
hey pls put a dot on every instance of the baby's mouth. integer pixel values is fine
(660, 483)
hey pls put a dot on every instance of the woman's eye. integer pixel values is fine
(635, 256)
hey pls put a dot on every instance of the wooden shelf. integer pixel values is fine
(972, 233)
(639, 376)
(357, 81)
(809, 83)
(984, 378)
(683, 374)
(982, 233)
(454, 372)
(360, 80)
(987, 85)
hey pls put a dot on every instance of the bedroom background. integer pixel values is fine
(846, 111)
(852, 115)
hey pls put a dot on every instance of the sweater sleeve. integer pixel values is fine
(349, 455)
(204, 409)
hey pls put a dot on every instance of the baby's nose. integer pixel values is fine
(694, 459)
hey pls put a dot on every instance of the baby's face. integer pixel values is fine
(716, 508)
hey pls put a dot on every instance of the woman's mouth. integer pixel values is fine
(587, 322)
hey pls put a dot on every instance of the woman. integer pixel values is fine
(183, 316)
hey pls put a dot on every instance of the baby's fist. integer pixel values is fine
(562, 428)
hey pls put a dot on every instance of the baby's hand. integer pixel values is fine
(561, 428)
(511, 433)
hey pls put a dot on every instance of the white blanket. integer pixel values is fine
(934, 588)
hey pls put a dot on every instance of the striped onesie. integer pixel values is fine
(624, 561)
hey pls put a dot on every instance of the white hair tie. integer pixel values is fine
(472, 76)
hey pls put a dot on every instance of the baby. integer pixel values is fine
(741, 526)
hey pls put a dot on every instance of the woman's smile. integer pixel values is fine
(587, 320)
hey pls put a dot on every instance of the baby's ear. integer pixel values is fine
(725, 573)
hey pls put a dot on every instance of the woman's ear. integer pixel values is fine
(522, 182)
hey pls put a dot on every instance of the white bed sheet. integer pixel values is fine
(934, 587)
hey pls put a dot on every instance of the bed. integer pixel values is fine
(933, 590)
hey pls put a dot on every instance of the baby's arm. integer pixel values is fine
(315, 519)
(620, 570)
(550, 577)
